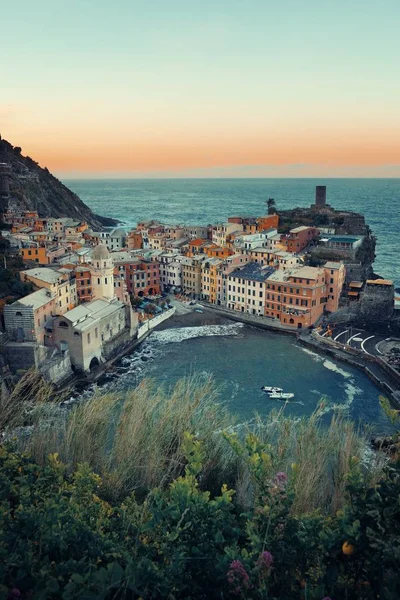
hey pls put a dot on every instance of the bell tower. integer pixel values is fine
(102, 273)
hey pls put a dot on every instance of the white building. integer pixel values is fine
(86, 329)
(170, 270)
(116, 239)
(223, 230)
(102, 269)
(254, 240)
(247, 288)
(285, 260)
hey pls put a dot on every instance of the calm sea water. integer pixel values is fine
(206, 201)
(242, 359)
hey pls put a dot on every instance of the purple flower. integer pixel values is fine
(265, 559)
(280, 480)
(326, 598)
(237, 576)
(13, 594)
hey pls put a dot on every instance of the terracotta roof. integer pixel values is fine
(379, 282)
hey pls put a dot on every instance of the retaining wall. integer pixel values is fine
(148, 325)
(258, 321)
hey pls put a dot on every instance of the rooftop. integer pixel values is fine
(356, 284)
(253, 272)
(345, 239)
(300, 229)
(44, 274)
(36, 299)
(301, 272)
(86, 315)
(387, 282)
(332, 265)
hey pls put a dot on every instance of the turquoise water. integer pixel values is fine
(206, 201)
(242, 359)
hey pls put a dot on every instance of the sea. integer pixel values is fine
(242, 358)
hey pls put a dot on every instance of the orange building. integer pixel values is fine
(267, 222)
(213, 251)
(335, 275)
(134, 240)
(297, 239)
(84, 290)
(199, 246)
(299, 297)
(40, 224)
(38, 255)
(142, 277)
(209, 279)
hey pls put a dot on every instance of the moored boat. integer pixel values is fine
(269, 389)
(281, 396)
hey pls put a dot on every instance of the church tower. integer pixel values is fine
(102, 273)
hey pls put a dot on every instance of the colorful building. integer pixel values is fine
(61, 284)
(26, 318)
(209, 279)
(299, 238)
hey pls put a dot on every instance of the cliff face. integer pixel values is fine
(32, 187)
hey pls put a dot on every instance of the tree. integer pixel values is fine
(271, 206)
(150, 309)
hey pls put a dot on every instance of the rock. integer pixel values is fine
(35, 188)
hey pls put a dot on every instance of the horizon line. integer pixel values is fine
(69, 177)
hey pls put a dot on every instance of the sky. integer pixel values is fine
(217, 88)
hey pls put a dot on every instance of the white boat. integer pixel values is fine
(280, 396)
(272, 390)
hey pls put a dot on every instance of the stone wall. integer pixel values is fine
(377, 303)
(148, 325)
(55, 366)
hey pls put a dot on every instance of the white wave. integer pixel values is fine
(170, 336)
(328, 364)
(351, 391)
(314, 355)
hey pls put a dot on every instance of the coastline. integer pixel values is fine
(213, 316)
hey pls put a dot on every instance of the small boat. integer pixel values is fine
(268, 389)
(281, 396)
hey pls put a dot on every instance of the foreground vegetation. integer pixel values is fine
(159, 495)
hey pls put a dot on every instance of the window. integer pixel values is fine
(18, 314)
(63, 325)
(88, 338)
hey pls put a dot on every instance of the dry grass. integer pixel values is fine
(134, 440)
(316, 457)
(30, 392)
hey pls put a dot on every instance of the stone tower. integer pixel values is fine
(320, 195)
(102, 273)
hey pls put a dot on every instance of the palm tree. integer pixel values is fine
(271, 206)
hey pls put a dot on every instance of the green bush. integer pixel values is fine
(59, 539)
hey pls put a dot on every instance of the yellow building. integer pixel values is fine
(209, 279)
(60, 283)
(191, 275)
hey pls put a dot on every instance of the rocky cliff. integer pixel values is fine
(32, 187)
